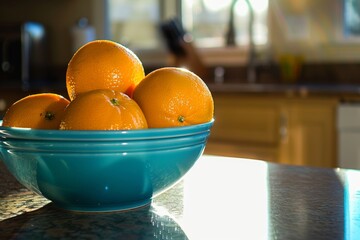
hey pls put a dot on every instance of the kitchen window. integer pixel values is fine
(136, 23)
(208, 21)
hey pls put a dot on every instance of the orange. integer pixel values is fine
(103, 109)
(172, 97)
(39, 111)
(103, 64)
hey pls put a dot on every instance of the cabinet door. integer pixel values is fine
(245, 119)
(311, 138)
(245, 127)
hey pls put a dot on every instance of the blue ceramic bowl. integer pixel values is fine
(101, 170)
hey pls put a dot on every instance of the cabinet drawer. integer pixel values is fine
(246, 120)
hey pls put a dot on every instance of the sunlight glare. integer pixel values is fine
(351, 179)
(189, 2)
(259, 6)
(216, 5)
(241, 8)
(242, 202)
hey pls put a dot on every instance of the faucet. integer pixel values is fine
(230, 38)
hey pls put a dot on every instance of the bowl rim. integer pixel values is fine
(95, 135)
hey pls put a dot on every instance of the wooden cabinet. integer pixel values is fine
(291, 130)
(245, 127)
(311, 133)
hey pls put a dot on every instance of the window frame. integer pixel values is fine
(225, 56)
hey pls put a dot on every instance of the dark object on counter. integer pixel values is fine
(181, 48)
(174, 35)
(23, 55)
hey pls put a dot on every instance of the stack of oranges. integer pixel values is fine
(108, 90)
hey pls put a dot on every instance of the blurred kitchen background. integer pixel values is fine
(284, 73)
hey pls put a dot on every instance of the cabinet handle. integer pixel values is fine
(283, 130)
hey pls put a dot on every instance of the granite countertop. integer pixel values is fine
(220, 198)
